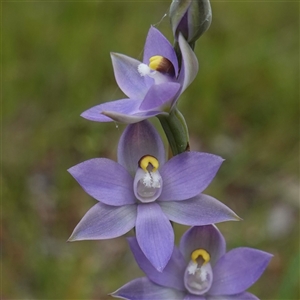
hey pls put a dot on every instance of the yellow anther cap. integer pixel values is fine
(147, 160)
(161, 64)
(200, 252)
(155, 61)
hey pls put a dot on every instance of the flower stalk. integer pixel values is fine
(176, 130)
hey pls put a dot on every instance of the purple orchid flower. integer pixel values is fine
(144, 191)
(199, 270)
(152, 86)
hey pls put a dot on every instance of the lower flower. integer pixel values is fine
(199, 270)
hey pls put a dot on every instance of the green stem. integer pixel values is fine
(176, 131)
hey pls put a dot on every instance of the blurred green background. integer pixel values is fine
(243, 105)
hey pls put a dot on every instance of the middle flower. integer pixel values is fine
(144, 191)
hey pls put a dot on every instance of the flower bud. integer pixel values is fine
(190, 17)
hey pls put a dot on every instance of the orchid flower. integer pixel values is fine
(152, 86)
(145, 191)
(199, 270)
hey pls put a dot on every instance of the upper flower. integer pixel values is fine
(152, 86)
(199, 270)
(145, 191)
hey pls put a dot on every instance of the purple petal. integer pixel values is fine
(154, 234)
(237, 270)
(127, 76)
(160, 96)
(173, 273)
(138, 140)
(189, 67)
(242, 296)
(199, 210)
(131, 118)
(105, 180)
(188, 174)
(178, 16)
(157, 44)
(144, 289)
(194, 297)
(206, 237)
(105, 222)
(105, 112)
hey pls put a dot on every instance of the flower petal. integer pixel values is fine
(172, 274)
(105, 180)
(199, 210)
(131, 118)
(138, 140)
(160, 96)
(177, 14)
(157, 44)
(194, 297)
(105, 222)
(105, 112)
(154, 234)
(127, 76)
(242, 296)
(188, 174)
(206, 237)
(237, 270)
(144, 289)
(189, 67)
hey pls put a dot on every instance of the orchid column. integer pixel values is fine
(146, 192)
